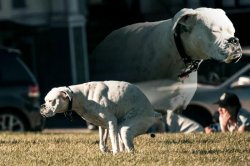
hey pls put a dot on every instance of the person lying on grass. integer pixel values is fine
(232, 117)
(176, 123)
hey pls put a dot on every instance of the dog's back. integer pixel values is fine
(137, 52)
(118, 97)
(128, 96)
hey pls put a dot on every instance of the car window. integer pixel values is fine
(14, 71)
(243, 80)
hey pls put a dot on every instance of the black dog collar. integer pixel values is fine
(68, 112)
(70, 98)
(191, 65)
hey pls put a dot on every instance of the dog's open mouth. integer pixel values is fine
(43, 114)
(235, 56)
(46, 115)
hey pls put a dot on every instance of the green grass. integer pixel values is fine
(164, 149)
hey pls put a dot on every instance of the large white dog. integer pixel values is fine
(170, 49)
(119, 107)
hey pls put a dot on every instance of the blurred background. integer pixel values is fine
(54, 40)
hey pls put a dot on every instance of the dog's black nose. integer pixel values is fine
(233, 40)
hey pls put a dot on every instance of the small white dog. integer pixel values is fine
(117, 106)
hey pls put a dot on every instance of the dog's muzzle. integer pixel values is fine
(43, 107)
(47, 111)
(234, 45)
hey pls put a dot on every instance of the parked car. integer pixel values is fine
(202, 107)
(19, 95)
(222, 77)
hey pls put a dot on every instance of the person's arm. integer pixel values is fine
(244, 127)
(208, 130)
(224, 118)
(241, 129)
(243, 121)
(215, 127)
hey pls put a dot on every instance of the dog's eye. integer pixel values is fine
(215, 31)
(53, 102)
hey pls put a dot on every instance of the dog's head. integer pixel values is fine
(56, 101)
(208, 34)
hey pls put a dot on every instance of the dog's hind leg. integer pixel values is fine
(132, 128)
(127, 138)
(103, 136)
(121, 144)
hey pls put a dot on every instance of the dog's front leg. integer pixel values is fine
(113, 131)
(103, 135)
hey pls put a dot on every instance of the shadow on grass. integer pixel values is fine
(219, 151)
(188, 141)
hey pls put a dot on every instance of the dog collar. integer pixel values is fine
(191, 65)
(70, 98)
(68, 112)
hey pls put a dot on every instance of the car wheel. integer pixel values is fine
(198, 114)
(11, 122)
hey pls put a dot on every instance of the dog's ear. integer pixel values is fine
(64, 95)
(51, 94)
(185, 17)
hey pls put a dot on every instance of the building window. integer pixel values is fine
(17, 4)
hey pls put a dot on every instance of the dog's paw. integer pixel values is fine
(104, 149)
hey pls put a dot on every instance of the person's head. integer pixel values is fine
(229, 102)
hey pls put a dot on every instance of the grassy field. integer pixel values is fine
(164, 149)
